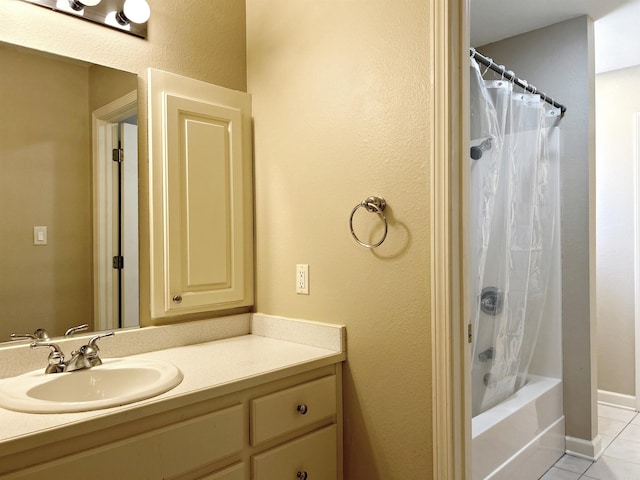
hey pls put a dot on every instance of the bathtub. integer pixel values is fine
(522, 437)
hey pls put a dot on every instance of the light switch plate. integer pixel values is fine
(40, 235)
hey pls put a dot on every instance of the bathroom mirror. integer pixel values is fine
(60, 208)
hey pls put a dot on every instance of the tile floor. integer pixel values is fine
(620, 432)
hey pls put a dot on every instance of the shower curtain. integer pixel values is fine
(513, 219)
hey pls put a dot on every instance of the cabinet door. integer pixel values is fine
(201, 196)
(313, 456)
(163, 453)
(291, 409)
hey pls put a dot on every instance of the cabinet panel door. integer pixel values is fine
(201, 208)
(314, 454)
(291, 409)
(162, 453)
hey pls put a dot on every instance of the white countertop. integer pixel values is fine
(210, 370)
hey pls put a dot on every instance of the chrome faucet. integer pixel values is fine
(79, 328)
(87, 355)
(41, 335)
(83, 358)
(56, 357)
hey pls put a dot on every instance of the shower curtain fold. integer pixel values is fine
(513, 200)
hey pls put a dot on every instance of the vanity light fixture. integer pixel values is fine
(128, 16)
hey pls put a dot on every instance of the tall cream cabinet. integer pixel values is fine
(201, 216)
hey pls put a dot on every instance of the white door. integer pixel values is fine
(129, 226)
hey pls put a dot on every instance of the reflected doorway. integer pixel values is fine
(116, 287)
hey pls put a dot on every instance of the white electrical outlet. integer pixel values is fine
(302, 279)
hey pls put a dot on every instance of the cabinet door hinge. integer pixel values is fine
(118, 262)
(118, 155)
(469, 333)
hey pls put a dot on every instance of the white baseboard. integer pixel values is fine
(617, 399)
(591, 450)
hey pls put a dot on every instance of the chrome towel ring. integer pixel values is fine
(372, 204)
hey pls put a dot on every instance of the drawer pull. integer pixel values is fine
(302, 410)
(302, 475)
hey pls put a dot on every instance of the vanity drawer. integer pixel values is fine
(235, 472)
(314, 455)
(288, 410)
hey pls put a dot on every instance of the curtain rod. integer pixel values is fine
(509, 75)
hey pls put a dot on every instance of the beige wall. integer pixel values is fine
(341, 106)
(201, 39)
(107, 85)
(617, 100)
(45, 157)
(46, 178)
(341, 109)
(559, 61)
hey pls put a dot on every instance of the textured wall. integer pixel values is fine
(617, 100)
(107, 85)
(341, 106)
(45, 140)
(559, 61)
(202, 39)
(341, 109)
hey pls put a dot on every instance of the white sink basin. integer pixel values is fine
(116, 382)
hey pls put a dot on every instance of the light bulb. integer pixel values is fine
(136, 11)
(112, 19)
(78, 5)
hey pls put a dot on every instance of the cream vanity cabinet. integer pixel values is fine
(285, 429)
(201, 215)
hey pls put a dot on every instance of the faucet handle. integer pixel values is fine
(39, 335)
(79, 328)
(56, 357)
(90, 350)
(94, 339)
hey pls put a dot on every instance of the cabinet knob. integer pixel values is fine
(302, 475)
(177, 299)
(302, 409)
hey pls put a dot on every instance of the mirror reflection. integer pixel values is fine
(68, 216)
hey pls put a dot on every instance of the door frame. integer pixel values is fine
(636, 249)
(450, 337)
(102, 144)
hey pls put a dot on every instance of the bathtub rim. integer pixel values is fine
(534, 387)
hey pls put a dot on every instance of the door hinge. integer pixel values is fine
(118, 155)
(118, 262)
(469, 333)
